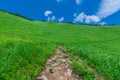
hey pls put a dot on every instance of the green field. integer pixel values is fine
(26, 45)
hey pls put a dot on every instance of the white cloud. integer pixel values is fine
(102, 23)
(108, 7)
(78, 1)
(61, 19)
(82, 17)
(49, 16)
(47, 13)
(90, 19)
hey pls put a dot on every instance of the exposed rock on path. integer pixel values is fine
(58, 68)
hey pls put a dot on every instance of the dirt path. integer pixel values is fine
(58, 68)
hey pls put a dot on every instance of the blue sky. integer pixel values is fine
(77, 11)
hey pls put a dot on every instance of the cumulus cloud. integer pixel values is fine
(108, 7)
(61, 19)
(78, 1)
(47, 13)
(82, 17)
(92, 18)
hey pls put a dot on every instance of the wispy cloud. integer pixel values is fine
(108, 7)
(61, 19)
(47, 13)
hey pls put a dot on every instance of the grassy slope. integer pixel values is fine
(25, 46)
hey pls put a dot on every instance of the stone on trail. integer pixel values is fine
(69, 72)
(63, 60)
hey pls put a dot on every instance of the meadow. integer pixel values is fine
(26, 45)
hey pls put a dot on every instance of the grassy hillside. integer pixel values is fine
(26, 45)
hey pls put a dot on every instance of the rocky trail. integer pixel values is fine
(58, 68)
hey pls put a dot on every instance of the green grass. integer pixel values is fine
(81, 70)
(26, 45)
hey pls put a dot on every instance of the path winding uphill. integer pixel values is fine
(58, 68)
